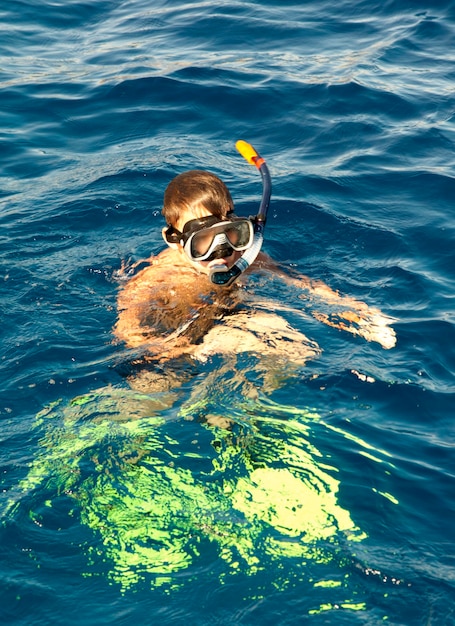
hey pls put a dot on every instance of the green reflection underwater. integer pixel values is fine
(254, 489)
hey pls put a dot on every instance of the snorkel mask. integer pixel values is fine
(220, 274)
(208, 238)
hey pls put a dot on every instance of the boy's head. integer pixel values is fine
(198, 209)
(195, 194)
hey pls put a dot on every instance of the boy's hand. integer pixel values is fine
(371, 324)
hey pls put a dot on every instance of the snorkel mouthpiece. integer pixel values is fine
(220, 274)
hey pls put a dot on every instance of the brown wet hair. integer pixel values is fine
(193, 189)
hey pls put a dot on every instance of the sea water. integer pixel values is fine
(329, 497)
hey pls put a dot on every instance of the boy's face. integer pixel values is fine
(201, 266)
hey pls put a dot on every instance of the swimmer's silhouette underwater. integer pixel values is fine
(250, 490)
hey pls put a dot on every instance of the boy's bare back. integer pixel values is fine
(171, 308)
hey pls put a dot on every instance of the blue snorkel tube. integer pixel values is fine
(219, 274)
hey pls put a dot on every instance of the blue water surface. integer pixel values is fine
(352, 103)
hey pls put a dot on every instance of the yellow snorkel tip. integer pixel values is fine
(247, 151)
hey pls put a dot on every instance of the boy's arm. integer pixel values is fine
(350, 315)
(131, 303)
(133, 324)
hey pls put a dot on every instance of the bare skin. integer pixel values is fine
(171, 309)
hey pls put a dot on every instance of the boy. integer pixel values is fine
(171, 310)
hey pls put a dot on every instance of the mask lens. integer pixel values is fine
(237, 234)
(201, 242)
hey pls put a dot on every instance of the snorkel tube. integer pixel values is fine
(221, 275)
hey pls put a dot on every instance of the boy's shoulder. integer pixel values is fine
(166, 268)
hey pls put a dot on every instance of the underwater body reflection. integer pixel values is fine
(168, 483)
